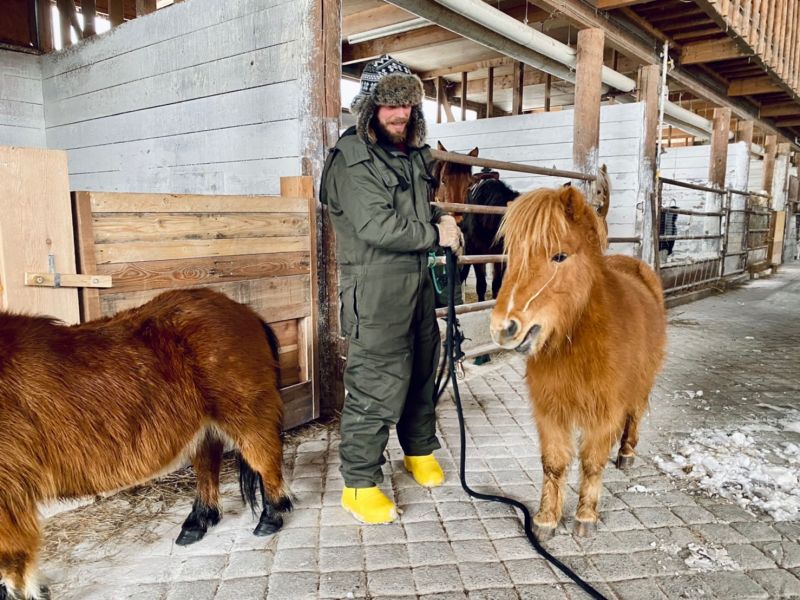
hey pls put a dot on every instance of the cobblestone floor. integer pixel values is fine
(740, 348)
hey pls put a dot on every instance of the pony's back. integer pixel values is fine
(481, 229)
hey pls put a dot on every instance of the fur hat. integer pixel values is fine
(388, 82)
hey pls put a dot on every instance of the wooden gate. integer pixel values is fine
(259, 250)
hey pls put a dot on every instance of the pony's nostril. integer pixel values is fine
(512, 329)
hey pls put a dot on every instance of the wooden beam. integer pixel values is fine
(710, 51)
(548, 83)
(145, 7)
(744, 133)
(401, 42)
(490, 93)
(753, 85)
(44, 23)
(612, 4)
(588, 90)
(783, 109)
(719, 147)
(89, 12)
(380, 16)
(439, 95)
(116, 12)
(464, 88)
(792, 122)
(472, 66)
(519, 84)
(770, 150)
(503, 82)
(648, 91)
(448, 111)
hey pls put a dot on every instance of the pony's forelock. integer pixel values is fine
(534, 222)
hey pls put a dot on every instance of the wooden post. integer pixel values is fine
(548, 82)
(323, 72)
(439, 94)
(145, 7)
(464, 96)
(519, 83)
(745, 133)
(770, 148)
(44, 20)
(647, 91)
(116, 13)
(588, 82)
(65, 8)
(89, 11)
(490, 93)
(719, 147)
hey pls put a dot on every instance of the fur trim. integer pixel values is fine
(392, 90)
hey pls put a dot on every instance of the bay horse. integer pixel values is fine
(593, 328)
(454, 180)
(111, 403)
(480, 230)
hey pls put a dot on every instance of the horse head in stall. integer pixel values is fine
(481, 230)
(593, 329)
(111, 403)
(454, 179)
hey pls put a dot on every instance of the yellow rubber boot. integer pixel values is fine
(425, 469)
(368, 505)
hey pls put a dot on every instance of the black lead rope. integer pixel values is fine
(453, 354)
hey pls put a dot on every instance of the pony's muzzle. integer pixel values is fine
(504, 334)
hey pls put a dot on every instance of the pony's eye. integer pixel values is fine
(560, 257)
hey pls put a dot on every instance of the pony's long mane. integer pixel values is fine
(537, 221)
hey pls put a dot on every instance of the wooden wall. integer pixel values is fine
(201, 97)
(21, 100)
(545, 139)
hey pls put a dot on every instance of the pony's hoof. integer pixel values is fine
(585, 529)
(625, 462)
(3, 591)
(543, 533)
(482, 359)
(190, 536)
(44, 592)
(268, 526)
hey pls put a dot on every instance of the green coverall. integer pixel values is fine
(379, 203)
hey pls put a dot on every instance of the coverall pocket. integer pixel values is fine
(348, 307)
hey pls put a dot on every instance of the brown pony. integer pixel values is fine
(594, 330)
(454, 180)
(113, 402)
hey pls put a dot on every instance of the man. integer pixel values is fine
(378, 187)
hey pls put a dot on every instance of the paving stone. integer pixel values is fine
(421, 554)
(465, 530)
(295, 559)
(248, 563)
(437, 579)
(341, 558)
(693, 515)
(731, 585)
(638, 589)
(298, 537)
(200, 589)
(653, 518)
(297, 586)
(474, 551)
(391, 533)
(347, 584)
(386, 556)
(777, 583)
(484, 575)
(200, 567)
(426, 531)
(530, 571)
(541, 592)
(390, 581)
(786, 554)
(348, 535)
(494, 594)
(757, 532)
(246, 587)
(749, 557)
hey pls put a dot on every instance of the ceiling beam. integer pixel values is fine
(753, 85)
(612, 4)
(783, 109)
(372, 18)
(400, 42)
(788, 122)
(501, 82)
(710, 51)
(468, 67)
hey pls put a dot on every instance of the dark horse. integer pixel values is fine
(111, 403)
(480, 230)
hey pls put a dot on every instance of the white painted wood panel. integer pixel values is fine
(21, 100)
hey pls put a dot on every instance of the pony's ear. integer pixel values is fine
(473, 152)
(568, 184)
(573, 201)
(440, 146)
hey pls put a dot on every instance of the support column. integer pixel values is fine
(770, 149)
(490, 93)
(719, 147)
(519, 84)
(648, 91)
(588, 82)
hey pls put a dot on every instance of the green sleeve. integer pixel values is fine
(368, 205)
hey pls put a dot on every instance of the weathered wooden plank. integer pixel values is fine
(263, 104)
(143, 227)
(719, 147)
(16, 88)
(247, 142)
(588, 89)
(242, 71)
(180, 249)
(710, 51)
(274, 298)
(753, 85)
(69, 280)
(161, 274)
(24, 137)
(37, 222)
(89, 298)
(21, 114)
(298, 407)
(114, 202)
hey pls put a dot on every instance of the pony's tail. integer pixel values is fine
(249, 483)
(272, 340)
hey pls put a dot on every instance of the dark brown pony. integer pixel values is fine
(454, 180)
(593, 327)
(104, 405)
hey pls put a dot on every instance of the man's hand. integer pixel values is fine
(450, 235)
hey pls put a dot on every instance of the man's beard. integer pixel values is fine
(389, 136)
